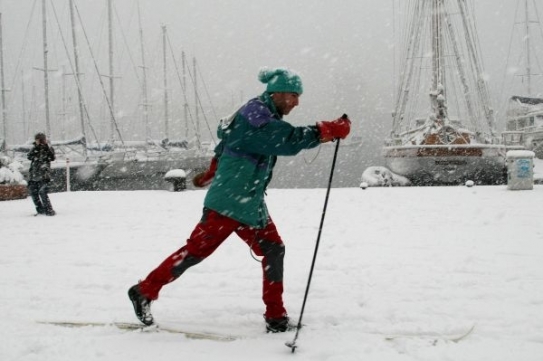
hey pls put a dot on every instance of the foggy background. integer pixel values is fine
(344, 51)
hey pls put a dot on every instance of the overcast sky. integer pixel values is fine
(342, 49)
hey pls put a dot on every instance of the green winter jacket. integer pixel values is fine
(250, 143)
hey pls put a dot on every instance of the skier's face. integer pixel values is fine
(285, 102)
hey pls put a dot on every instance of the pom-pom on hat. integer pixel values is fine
(281, 80)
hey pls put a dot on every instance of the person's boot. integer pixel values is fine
(281, 324)
(142, 305)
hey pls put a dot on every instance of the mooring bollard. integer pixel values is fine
(520, 169)
(67, 174)
(178, 178)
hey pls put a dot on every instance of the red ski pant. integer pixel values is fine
(209, 234)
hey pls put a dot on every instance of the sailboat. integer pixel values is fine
(524, 113)
(117, 163)
(443, 129)
(144, 164)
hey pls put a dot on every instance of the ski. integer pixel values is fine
(432, 336)
(129, 326)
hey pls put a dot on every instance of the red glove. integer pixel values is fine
(203, 179)
(330, 130)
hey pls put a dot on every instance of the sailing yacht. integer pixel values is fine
(443, 129)
(524, 113)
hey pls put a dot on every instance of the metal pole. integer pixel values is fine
(292, 344)
(4, 121)
(166, 110)
(144, 69)
(185, 105)
(45, 70)
(111, 71)
(23, 102)
(528, 60)
(68, 186)
(64, 122)
(77, 80)
(196, 100)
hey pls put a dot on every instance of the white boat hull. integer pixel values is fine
(533, 140)
(448, 164)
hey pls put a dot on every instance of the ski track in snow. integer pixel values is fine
(391, 261)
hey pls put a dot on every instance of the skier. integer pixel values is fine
(251, 140)
(39, 174)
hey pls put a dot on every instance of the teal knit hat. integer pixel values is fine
(281, 80)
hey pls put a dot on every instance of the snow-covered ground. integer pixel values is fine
(433, 260)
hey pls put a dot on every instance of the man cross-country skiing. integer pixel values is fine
(251, 140)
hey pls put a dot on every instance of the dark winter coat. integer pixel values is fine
(247, 154)
(40, 156)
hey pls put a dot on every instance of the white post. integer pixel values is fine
(520, 169)
(67, 174)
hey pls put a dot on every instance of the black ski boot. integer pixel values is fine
(40, 210)
(142, 305)
(281, 324)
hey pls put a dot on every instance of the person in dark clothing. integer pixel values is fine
(251, 140)
(39, 174)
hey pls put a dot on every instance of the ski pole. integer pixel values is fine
(292, 344)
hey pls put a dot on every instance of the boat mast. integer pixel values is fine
(63, 113)
(462, 73)
(184, 85)
(144, 69)
(437, 94)
(436, 37)
(4, 121)
(165, 73)
(111, 71)
(45, 70)
(412, 52)
(196, 99)
(77, 79)
(528, 61)
(23, 104)
(477, 63)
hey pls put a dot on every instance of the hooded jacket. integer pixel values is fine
(250, 143)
